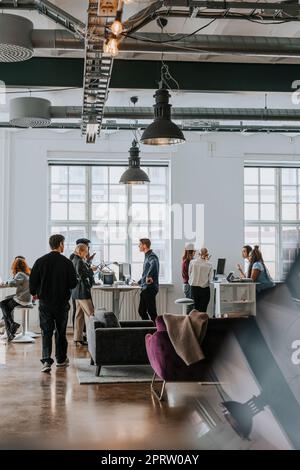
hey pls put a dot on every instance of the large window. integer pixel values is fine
(272, 215)
(88, 201)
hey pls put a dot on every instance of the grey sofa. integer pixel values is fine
(124, 345)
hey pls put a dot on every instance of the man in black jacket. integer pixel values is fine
(51, 279)
(149, 281)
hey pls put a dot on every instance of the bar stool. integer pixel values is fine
(25, 336)
(184, 302)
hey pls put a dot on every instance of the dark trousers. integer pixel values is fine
(54, 319)
(147, 307)
(7, 306)
(188, 294)
(201, 297)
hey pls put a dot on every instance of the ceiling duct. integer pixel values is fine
(15, 38)
(29, 112)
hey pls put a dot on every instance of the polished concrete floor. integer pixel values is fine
(39, 410)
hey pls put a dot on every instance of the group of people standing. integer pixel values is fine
(53, 279)
(197, 273)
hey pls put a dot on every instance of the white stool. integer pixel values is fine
(25, 336)
(184, 302)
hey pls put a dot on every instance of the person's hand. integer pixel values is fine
(94, 268)
(90, 258)
(149, 280)
(239, 267)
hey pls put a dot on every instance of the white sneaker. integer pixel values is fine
(46, 367)
(66, 363)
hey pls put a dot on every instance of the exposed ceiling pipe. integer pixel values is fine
(221, 114)
(55, 39)
(216, 44)
(214, 127)
(202, 43)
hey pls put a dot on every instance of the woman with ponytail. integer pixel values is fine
(258, 271)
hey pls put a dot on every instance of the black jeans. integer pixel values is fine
(54, 319)
(147, 307)
(7, 306)
(201, 297)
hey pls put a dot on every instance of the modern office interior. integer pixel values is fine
(174, 121)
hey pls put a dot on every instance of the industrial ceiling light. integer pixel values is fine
(29, 112)
(110, 47)
(15, 38)
(162, 131)
(134, 174)
(92, 130)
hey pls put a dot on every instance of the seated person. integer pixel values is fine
(258, 271)
(20, 272)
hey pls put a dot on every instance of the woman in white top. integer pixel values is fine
(200, 275)
(246, 251)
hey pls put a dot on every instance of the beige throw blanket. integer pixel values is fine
(186, 333)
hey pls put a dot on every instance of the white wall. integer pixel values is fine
(207, 169)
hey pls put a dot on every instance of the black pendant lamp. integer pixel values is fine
(162, 131)
(134, 174)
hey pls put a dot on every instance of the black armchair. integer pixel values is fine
(124, 345)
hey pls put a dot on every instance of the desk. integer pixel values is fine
(233, 298)
(116, 291)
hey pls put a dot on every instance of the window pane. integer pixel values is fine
(267, 211)
(117, 212)
(290, 235)
(267, 193)
(251, 235)
(100, 212)
(139, 212)
(251, 193)
(289, 176)
(115, 173)
(118, 234)
(268, 235)
(268, 252)
(136, 271)
(139, 231)
(99, 193)
(158, 212)
(139, 193)
(59, 174)
(289, 211)
(251, 211)
(75, 233)
(76, 211)
(59, 193)
(59, 211)
(157, 175)
(267, 175)
(101, 253)
(272, 269)
(117, 193)
(158, 193)
(117, 253)
(99, 235)
(77, 193)
(289, 193)
(251, 175)
(99, 174)
(57, 230)
(77, 174)
(137, 255)
(157, 232)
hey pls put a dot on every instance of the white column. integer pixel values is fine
(5, 159)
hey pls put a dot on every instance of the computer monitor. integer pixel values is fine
(221, 266)
(125, 271)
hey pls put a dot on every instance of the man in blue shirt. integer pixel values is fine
(149, 282)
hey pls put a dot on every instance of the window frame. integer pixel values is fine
(88, 223)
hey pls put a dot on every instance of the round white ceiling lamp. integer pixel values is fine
(15, 38)
(29, 112)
